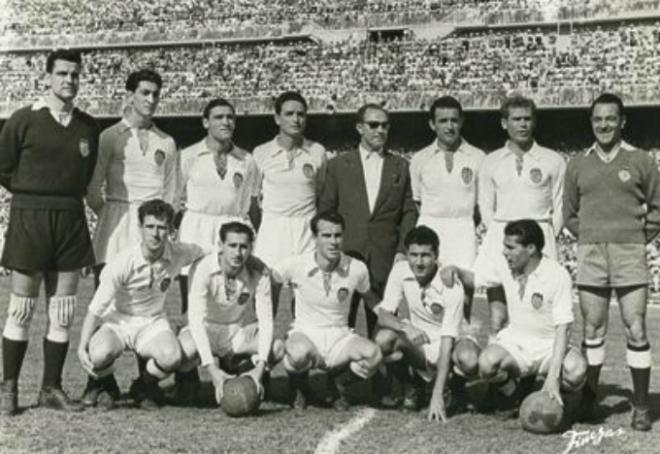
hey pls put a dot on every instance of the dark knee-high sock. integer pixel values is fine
(639, 361)
(13, 353)
(594, 350)
(54, 357)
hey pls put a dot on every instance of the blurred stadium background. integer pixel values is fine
(342, 53)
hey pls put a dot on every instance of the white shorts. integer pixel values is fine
(492, 247)
(281, 237)
(117, 229)
(231, 339)
(532, 355)
(458, 241)
(329, 342)
(134, 331)
(204, 230)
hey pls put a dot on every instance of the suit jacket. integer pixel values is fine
(372, 237)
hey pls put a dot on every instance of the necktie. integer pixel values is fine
(449, 161)
(230, 287)
(220, 163)
(63, 118)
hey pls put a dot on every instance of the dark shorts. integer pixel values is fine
(612, 265)
(47, 240)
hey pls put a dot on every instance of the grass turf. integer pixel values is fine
(279, 429)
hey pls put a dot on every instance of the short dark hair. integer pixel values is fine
(289, 96)
(528, 232)
(363, 110)
(423, 236)
(217, 102)
(146, 74)
(235, 227)
(329, 216)
(70, 55)
(607, 98)
(517, 102)
(158, 209)
(445, 102)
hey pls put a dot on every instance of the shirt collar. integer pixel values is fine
(166, 257)
(623, 145)
(435, 283)
(204, 149)
(126, 126)
(277, 149)
(461, 147)
(42, 104)
(366, 154)
(311, 267)
(532, 152)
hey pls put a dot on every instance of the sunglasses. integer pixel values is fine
(376, 124)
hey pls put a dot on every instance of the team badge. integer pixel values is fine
(437, 310)
(238, 180)
(535, 175)
(467, 174)
(165, 284)
(243, 298)
(159, 157)
(308, 170)
(342, 294)
(537, 300)
(83, 146)
(624, 175)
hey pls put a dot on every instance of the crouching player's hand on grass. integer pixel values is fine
(437, 410)
(218, 378)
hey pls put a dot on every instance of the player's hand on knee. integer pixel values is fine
(437, 410)
(552, 388)
(415, 335)
(21, 309)
(449, 275)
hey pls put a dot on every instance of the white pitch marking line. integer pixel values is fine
(329, 444)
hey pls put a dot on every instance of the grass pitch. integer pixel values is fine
(278, 429)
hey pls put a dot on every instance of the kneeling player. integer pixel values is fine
(223, 286)
(430, 340)
(540, 310)
(135, 284)
(323, 282)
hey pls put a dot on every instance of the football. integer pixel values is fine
(240, 397)
(541, 414)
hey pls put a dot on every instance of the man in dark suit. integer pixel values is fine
(370, 188)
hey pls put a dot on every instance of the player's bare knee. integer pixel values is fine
(489, 363)
(169, 357)
(467, 361)
(102, 355)
(277, 352)
(386, 339)
(297, 355)
(636, 331)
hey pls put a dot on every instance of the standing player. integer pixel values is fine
(290, 172)
(612, 206)
(443, 177)
(47, 155)
(323, 282)
(540, 310)
(520, 180)
(370, 188)
(128, 309)
(223, 285)
(137, 162)
(218, 182)
(430, 340)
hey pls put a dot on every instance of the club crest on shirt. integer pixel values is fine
(159, 157)
(467, 175)
(537, 300)
(83, 146)
(437, 310)
(165, 284)
(238, 180)
(342, 294)
(243, 298)
(624, 175)
(535, 175)
(308, 170)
